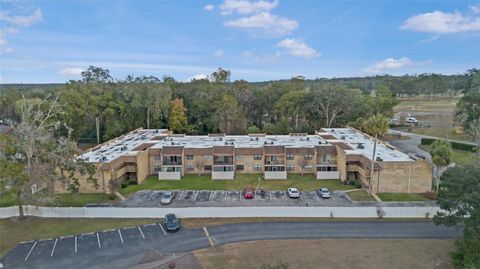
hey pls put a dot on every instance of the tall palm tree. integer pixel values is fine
(441, 153)
(375, 125)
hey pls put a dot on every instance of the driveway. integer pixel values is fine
(123, 248)
(410, 146)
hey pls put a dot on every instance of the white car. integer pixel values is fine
(324, 193)
(411, 120)
(293, 193)
(167, 198)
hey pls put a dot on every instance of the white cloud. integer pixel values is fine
(441, 23)
(7, 50)
(71, 71)
(198, 77)
(298, 48)
(247, 54)
(269, 23)
(209, 7)
(218, 54)
(475, 8)
(246, 6)
(3, 34)
(389, 64)
(21, 20)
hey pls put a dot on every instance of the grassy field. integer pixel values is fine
(410, 197)
(204, 182)
(459, 156)
(62, 200)
(331, 253)
(444, 105)
(359, 195)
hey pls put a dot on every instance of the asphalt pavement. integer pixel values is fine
(124, 248)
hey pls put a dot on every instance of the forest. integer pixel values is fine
(220, 105)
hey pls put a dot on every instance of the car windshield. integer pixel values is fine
(166, 196)
(294, 191)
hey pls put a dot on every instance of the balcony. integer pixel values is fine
(332, 162)
(274, 162)
(223, 172)
(222, 160)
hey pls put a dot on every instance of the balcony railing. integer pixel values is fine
(167, 162)
(319, 162)
(274, 162)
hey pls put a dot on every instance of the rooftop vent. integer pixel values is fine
(173, 143)
(103, 158)
(143, 137)
(360, 146)
(342, 137)
(379, 159)
(123, 148)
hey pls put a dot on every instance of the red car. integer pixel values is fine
(248, 193)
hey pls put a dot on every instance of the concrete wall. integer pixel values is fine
(298, 161)
(275, 175)
(328, 175)
(414, 177)
(342, 164)
(248, 163)
(223, 175)
(221, 212)
(102, 177)
(169, 175)
(143, 165)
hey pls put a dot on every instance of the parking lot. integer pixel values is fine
(87, 250)
(186, 198)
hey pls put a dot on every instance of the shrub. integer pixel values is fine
(463, 146)
(124, 185)
(355, 183)
(430, 195)
(427, 141)
(133, 182)
(112, 197)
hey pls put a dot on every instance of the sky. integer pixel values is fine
(53, 41)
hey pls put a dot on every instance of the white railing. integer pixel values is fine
(222, 212)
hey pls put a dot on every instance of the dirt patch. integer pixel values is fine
(332, 253)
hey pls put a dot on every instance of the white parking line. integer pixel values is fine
(141, 232)
(270, 195)
(211, 193)
(226, 193)
(31, 250)
(285, 193)
(333, 197)
(121, 237)
(196, 194)
(98, 240)
(240, 196)
(54, 245)
(153, 192)
(75, 244)
(316, 195)
(181, 194)
(164, 233)
(208, 236)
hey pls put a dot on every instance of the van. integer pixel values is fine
(411, 120)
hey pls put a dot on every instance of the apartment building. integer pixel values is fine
(339, 153)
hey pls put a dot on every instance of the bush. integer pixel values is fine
(112, 196)
(430, 195)
(133, 182)
(427, 141)
(464, 147)
(355, 183)
(124, 185)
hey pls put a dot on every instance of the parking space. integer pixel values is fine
(309, 196)
(202, 196)
(86, 242)
(233, 196)
(279, 195)
(188, 196)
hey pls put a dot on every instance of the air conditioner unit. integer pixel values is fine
(379, 159)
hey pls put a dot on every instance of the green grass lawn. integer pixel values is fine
(13, 232)
(360, 195)
(61, 200)
(204, 182)
(459, 156)
(388, 197)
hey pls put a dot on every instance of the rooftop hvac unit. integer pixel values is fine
(342, 137)
(360, 146)
(156, 131)
(265, 142)
(379, 159)
(103, 158)
(173, 143)
(143, 137)
(308, 138)
(271, 143)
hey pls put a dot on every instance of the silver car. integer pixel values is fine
(167, 198)
(324, 193)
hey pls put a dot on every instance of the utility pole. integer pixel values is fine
(97, 123)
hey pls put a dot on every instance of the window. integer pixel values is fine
(190, 157)
(257, 157)
(325, 158)
(207, 157)
(223, 169)
(207, 167)
(239, 167)
(238, 157)
(290, 167)
(290, 157)
(257, 167)
(308, 156)
(190, 168)
(157, 157)
(327, 168)
(157, 168)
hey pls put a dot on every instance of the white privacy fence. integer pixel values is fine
(222, 212)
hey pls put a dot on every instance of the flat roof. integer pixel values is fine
(363, 144)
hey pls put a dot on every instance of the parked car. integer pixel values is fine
(293, 193)
(324, 193)
(411, 120)
(172, 223)
(248, 193)
(167, 198)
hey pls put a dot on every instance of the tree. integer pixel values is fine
(178, 122)
(228, 116)
(459, 199)
(199, 164)
(383, 102)
(376, 125)
(96, 74)
(441, 153)
(38, 146)
(290, 105)
(221, 75)
(253, 129)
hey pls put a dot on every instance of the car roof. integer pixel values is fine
(324, 189)
(293, 189)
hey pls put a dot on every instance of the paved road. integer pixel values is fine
(410, 145)
(125, 247)
(419, 136)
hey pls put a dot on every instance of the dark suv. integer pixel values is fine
(172, 223)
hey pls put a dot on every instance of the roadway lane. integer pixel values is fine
(125, 247)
